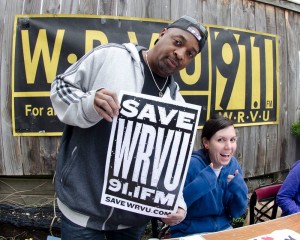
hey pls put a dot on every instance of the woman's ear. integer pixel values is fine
(205, 142)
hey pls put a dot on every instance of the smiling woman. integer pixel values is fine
(214, 191)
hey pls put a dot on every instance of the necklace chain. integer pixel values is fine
(159, 89)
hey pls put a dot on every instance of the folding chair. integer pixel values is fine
(266, 197)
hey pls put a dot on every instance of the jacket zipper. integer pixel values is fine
(109, 216)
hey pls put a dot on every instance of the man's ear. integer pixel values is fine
(162, 32)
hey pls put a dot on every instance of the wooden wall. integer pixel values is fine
(261, 149)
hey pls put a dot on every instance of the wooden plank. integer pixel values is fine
(239, 20)
(242, 15)
(297, 86)
(282, 4)
(224, 10)
(260, 161)
(31, 7)
(283, 61)
(69, 7)
(237, 17)
(272, 163)
(210, 15)
(177, 7)
(121, 8)
(260, 164)
(50, 7)
(297, 96)
(134, 8)
(38, 155)
(292, 26)
(109, 7)
(249, 151)
(89, 7)
(199, 12)
(35, 159)
(247, 14)
(144, 9)
(48, 153)
(85, 7)
(2, 42)
(10, 163)
(260, 158)
(239, 150)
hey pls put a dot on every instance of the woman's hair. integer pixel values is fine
(213, 125)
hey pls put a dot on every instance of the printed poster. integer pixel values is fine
(149, 151)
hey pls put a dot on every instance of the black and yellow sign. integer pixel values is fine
(235, 75)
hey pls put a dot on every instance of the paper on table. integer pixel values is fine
(192, 237)
(279, 235)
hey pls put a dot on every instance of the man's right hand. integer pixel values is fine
(106, 104)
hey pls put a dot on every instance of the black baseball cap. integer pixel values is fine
(190, 25)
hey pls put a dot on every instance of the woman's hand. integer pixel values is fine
(175, 218)
(230, 177)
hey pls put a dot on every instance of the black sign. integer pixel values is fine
(150, 146)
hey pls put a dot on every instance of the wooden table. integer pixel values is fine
(291, 222)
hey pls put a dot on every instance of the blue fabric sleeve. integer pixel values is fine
(236, 197)
(289, 191)
(198, 183)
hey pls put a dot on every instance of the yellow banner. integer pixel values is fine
(235, 75)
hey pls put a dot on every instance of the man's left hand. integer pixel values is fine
(175, 218)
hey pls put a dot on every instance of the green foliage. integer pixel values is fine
(295, 129)
(240, 221)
